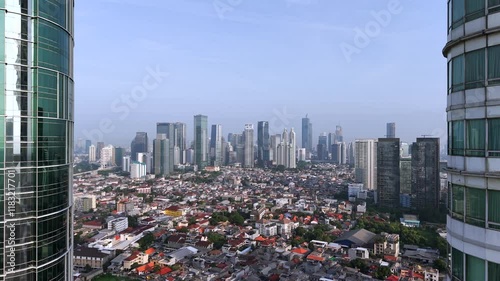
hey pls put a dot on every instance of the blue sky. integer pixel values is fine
(242, 61)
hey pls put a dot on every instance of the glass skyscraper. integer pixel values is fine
(36, 143)
(201, 141)
(473, 55)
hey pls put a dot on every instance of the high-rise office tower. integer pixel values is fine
(307, 138)
(339, 135)
(425, 173)
(366, 163)
(405, 149)
(108, 156)
(292, 156)
(161, 157)
(273, 151)
(263, 145)
(391, 130)
(92, 153)
(473, 53)
(405, 175)
(351, 151)
(126, 164)
(248, 159)
(147, 159)
(388, 173)
(37, 117)
(339, 153)
(201, 141)
(88, 143)
(180, 140)
(119, 152)
(139, 144)
(98, 149)
(322, 148)
(286, 150)
(216, 146)
(331, 141)
(169, 130)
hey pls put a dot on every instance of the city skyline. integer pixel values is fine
(303, 42)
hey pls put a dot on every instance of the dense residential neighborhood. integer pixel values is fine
(311, 223)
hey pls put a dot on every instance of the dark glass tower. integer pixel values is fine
(201, 141)
(425, 173)
(391, 130)
(388, 173)
(139, 144)
(262, 143)
(307, 134)
(36, 144)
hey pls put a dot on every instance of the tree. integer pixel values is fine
(383, 272)
(192, 220)
(440, 265)
(132, 221)
(218, 239)
(236, 218)
(146, 241)
(359, 264)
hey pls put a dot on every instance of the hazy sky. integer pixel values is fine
(358, 63)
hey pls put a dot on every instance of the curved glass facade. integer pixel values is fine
(473, 54)
(36, 139)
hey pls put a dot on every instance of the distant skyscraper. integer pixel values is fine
(147, 159)
(405, 175)
(425, 173)
(405, 149)
(391, 130)
(339, 153)
(351, 152)
(307, 139)
(366, 162)
(248, 159)
(286, 150)
(273, 151)
(201, 141)
(331, 141)
(216, 146)
(126, 164)
(138, 170)
(388, 172)
(161, 157)
(322, 148)
(139, 144)
(119, 152)
(263, 145)
(170, 132)
(339, 135)
(180, 140)
(88, 143)
(302, 154)
(92, 153)
(98, 150)
(108, 156)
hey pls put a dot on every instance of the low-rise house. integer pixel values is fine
(83, 256)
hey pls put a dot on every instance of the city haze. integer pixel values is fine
(248, 61)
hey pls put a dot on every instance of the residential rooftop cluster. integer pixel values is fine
(241, 224)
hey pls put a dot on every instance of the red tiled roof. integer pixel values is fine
(315, 258)
(392, 278)
(300, 251)
(165, 270)
(150, 251)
